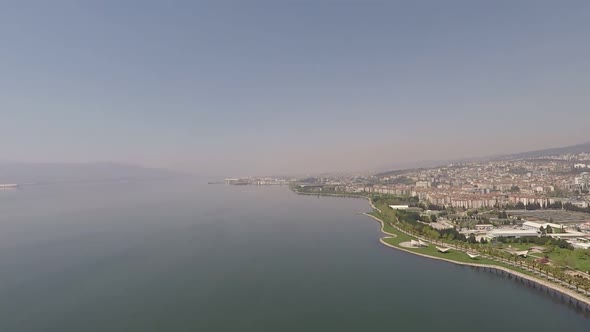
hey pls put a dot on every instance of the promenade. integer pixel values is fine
(580, 297)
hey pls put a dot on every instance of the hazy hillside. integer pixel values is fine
(578, 148)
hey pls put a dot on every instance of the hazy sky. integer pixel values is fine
(242, 87)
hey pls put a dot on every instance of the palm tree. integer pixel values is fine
(493, 253)
(586, 286)
(567, 279)
(559, 275)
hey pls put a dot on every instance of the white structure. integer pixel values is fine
(580, 245)
(570, 234)
(537, 226)
(399, 207)
(443, 249)
(583, 180)
(512, 233)
(557, 229)
(422, 184)
(523, 253)
(484, 227)
(418, 243)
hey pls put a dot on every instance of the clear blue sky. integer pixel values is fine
(243, 87)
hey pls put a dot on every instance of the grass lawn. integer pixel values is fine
(583, 264)
(431, 250)
(388, 215)
(579, 262)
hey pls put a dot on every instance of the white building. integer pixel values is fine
(422, 184)
(570, 234)
(399, 207)
(511, 233)
(537, 226)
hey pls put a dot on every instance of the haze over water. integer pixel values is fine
(186, 256)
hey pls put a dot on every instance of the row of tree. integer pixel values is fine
(571, 207)
(542, 266)
(541, 241)
(557, 205)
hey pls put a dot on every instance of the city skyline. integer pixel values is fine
(291, 87)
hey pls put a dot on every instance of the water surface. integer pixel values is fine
(187, 256)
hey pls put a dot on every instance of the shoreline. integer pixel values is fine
(581, 302)
(578, 300)
(340, 195)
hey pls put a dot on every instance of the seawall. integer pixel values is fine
(570, 297)
(340, 195)
(562, 294)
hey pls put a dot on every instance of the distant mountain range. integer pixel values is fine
(37, 173)
(572, 149)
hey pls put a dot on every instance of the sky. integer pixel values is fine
(280, 87)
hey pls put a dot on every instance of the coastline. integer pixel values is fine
(340, 195)
(581, 302)
(572, 297)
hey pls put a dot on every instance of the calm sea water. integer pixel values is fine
(187, 256)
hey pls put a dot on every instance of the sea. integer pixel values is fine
(184, 255)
